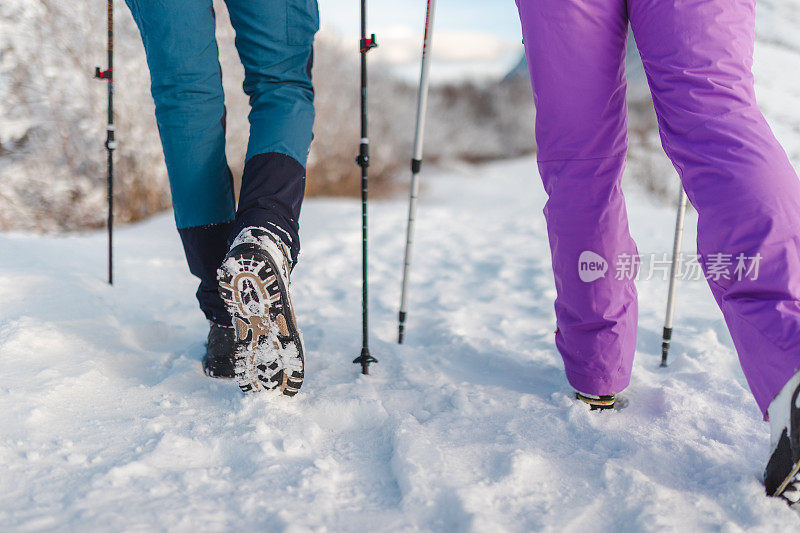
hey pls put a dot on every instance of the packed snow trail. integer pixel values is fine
(109, 423)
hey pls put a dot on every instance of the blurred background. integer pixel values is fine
(52, 112)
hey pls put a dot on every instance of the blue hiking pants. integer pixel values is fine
(274, 39)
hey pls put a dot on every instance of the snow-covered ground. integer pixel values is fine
(109, 423)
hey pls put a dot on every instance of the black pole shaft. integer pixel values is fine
(110, 142)
(365, 45)
(364, 153)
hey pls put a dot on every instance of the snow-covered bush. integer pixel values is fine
(52, 119)
(466, 121)
(52, 115)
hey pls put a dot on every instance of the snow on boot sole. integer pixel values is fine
(269, 347)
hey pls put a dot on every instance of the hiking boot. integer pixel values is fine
(219, 358)
(780, 476)
(254, 284)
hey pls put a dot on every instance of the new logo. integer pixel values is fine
(591, 266)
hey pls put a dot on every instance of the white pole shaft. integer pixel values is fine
(416, 163)
(673, 277)
(424, 80)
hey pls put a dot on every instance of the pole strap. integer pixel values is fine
(101, 74)
(367, 44)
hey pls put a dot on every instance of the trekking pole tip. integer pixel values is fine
(364, 360)
(666, 338)
(401, 327)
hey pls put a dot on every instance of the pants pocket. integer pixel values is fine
(302, 21)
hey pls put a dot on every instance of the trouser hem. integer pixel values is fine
(597, 385)
(205, 248)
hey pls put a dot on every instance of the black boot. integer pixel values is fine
(220, 348)
(784, 461)
(596, 402)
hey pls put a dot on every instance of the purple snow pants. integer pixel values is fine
(697, 55)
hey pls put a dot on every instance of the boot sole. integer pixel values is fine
(782, 487)
(597, 404)
(269, 346)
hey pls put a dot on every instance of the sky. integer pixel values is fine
(472, 38)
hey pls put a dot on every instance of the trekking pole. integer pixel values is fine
(416, 162)
(111, 143)
(673, 277)
(362, 160)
